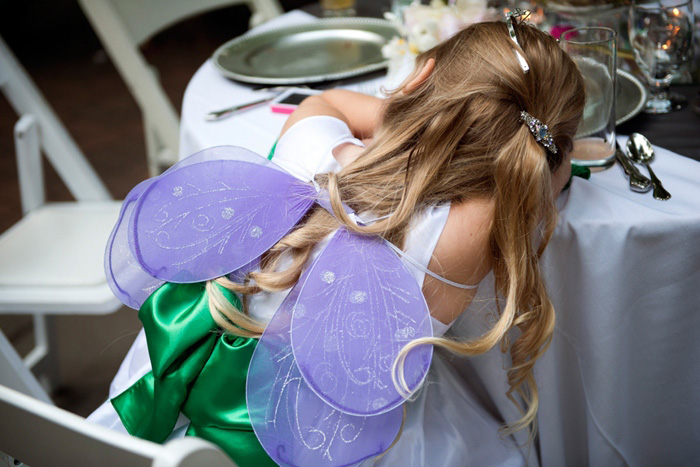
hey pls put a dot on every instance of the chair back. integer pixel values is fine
(58, 146)
(122, 26)
(144, 19)
(39, 434)
(51, 259)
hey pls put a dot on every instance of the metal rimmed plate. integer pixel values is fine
(323, 50)
(630, 99)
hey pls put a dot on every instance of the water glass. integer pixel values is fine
(594, 49)
(661, 36)
(338, 7)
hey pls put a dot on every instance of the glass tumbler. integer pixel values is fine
(661, 36)
(338, 7)
(594, 49)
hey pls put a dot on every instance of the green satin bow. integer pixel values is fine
(197, 370)
(577, 171)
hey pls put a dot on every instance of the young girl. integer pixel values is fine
(458, 169)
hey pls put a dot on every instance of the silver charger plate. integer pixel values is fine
(631, 97)
(629, 102)
(327, 49)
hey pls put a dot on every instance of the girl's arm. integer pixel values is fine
(362, 113)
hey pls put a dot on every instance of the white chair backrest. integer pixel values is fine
(144, 19)
(40, 434)
(122, 26)
(50, 260)
(161, 121)
(58, 146)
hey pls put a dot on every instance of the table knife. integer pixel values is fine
(220, 114)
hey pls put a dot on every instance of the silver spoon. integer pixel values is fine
(641, 151)
(638, 182)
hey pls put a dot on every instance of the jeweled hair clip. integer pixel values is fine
(540, 131)
(511, 17)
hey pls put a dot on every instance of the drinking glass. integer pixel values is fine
(661, 36)
(338, 7)
(594, 50)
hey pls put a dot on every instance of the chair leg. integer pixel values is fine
(159, 156)
(41, 347)
(15, 375)
(29, 167)
(43, 358)
(152, 148)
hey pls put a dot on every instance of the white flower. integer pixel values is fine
(426, 42)
(425, 26)
(395, 48)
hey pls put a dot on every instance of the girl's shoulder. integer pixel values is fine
(463, 255)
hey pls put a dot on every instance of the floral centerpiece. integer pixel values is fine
(424, 26)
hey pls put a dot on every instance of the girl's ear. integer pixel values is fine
(422, 75)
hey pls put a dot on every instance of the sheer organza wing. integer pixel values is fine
(358, 306)
(209, 218)
(292, 423)
(208, 215)
(128, 281)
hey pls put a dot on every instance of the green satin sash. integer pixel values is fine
(577, 171)
(197, 370)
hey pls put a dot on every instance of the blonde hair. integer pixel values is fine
(456, 137)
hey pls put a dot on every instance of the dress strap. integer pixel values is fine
(415, 263)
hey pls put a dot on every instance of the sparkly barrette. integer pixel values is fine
(540, 131)
(511, 17)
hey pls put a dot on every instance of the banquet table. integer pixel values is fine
(620, 383)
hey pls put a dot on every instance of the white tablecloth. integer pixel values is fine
(256, 128)
(620, 384)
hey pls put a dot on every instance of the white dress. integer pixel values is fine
(446, 425)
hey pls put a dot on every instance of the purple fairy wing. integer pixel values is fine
(126, 275)
(292, 423)
(219, 153)
(128, 281)
(206, 219)
(358, 307)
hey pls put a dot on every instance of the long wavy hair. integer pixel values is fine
(457, 137)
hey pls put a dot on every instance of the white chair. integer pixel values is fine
(38, 434)
(51, 260)
(16, 375)
(123, 26)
